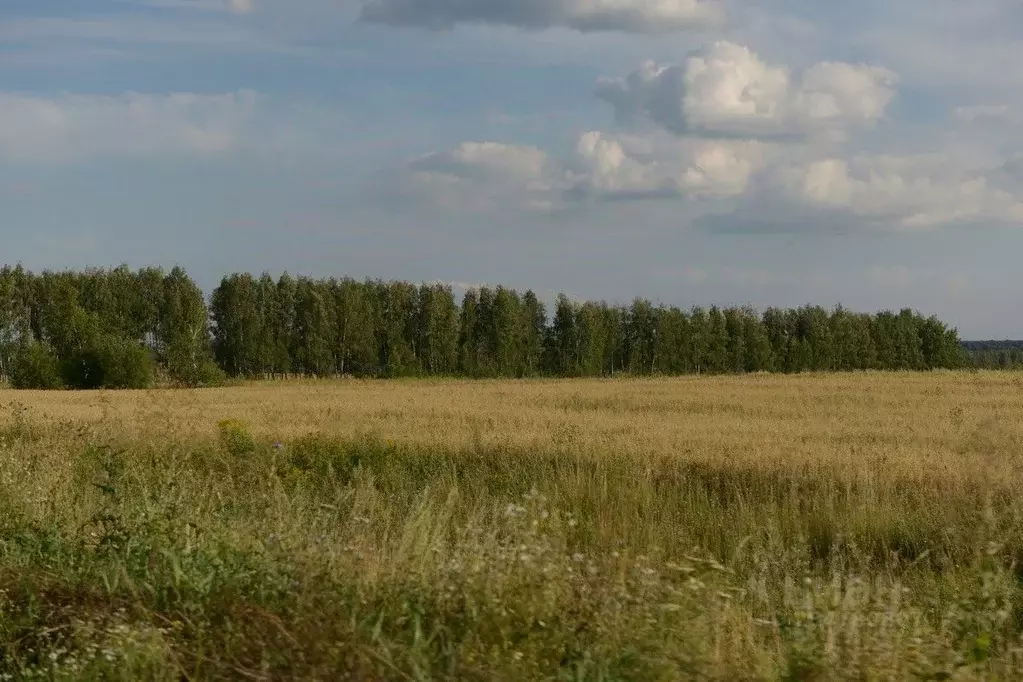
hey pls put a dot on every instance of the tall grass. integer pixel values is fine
(760, 528)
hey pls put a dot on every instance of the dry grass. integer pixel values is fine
(914, 425)
(761, 527)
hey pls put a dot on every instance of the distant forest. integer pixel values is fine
(124, 328)
(995, 354)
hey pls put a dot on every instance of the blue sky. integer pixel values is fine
(776, 152)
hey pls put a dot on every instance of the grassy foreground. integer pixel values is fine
(781, 528)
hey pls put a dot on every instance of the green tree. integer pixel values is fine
(615, 330)
(355, 348)
(15, 329)
(237, 325)
(503, 347)
(284, 324)
(592, 334)
(642, 337)
(532, 329)
(314, 327)
(759, 351)
(468, 341)
(437, 330)
(563, 346)
(716, 359)
(34, 365)
(395, 330)
(735, 329)
(185, 333)
(671, 350)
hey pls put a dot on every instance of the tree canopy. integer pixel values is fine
(123, 328)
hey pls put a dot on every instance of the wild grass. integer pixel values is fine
(780, 528)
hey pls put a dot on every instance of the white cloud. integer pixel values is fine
(632, 16)
(915, 192)
(728, 90)
(69, 128)
(740, 183)
(608, 169)
(610, 166)
(772, 184)
(240, 6)
(492, 159)
(478, 175)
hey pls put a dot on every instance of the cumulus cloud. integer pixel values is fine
(771, 185)
(491, 159)
(624, 167)
(479, 175)
(482, 175)
(767, 146)
(632, 16)
(68, 128)
(908, 192)
(729, 90)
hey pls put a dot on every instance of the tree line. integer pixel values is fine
(995, 354)
(324, 327)
(124, 328)
(103, 328)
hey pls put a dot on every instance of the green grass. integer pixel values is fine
(352, 557)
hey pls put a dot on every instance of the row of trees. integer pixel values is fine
(86, 328)
(115, 328)
(995, 354)
(264, 327)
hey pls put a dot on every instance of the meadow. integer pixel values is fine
(810, 527)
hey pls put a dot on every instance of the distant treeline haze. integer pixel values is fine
(121, 327)
(995, 354)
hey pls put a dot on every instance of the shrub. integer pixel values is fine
(125, 363)
(202, 374)
(235, 438)
(35, 366)
(111, 362)
(83, 369)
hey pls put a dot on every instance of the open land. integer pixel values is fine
(839, 526)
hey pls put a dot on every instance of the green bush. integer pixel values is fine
(111, 362)
(35, 366)
(203, 373)
(235, 438)
(125, 363)
(82, 369)
(210, 374)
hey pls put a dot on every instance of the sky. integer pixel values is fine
(693, 152)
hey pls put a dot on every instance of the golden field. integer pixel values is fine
(838, 526)
(944, 425)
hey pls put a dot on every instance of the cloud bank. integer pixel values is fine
(69, 128)
(760, 143)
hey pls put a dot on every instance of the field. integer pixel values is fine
(806, 527)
